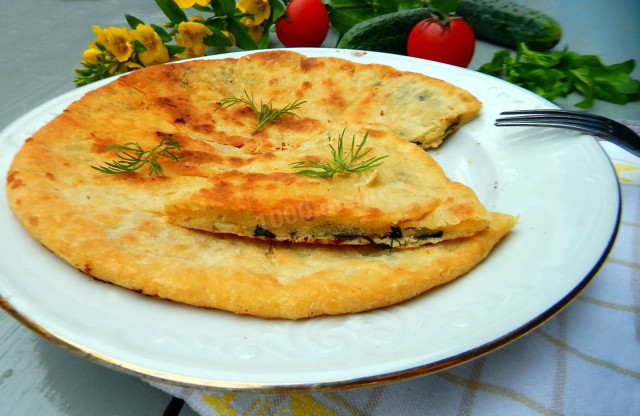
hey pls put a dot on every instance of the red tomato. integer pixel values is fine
(306, 23)
(451, 43)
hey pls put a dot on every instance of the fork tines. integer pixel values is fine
(584, 122)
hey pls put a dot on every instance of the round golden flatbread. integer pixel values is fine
(116, 227)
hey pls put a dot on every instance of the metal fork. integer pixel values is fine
(592, 124)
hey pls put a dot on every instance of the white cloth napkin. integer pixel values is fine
(584, 361)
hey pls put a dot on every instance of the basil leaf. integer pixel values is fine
(498, 66)
(617, 77)
(559, 73)
(546, 60)
(574, 60)
(626, 67)
(589, 96)
(546, 79)
(609, 95)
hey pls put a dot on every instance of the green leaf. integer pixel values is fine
(559, 73)
(175, 49)
(344, 14)
(172, 11)
(223, 7)
(216, 7)
(444, 6)
(572, 60)
(217, 39)
(546, 79)
(133, 21)
(412, 4)
(617, 81)
(582, 75)
(609, 95)
(498, 66)
(229, 6)
(138, 47)
(203, 9)
(263, 43)
(544, 59)
(164, 36)
(588, 94)
(243, 39)
(626, 67)
(278, 9)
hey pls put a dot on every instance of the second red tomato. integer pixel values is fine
(452, 43)
(306, 23)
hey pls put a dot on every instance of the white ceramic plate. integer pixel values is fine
(560, 184)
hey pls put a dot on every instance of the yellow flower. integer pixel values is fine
(230, 36)
(185, 4)
(260, 9)
(256, 32)
(131, 66)
(91, 54)
(191, 35)
(101, 36)
(117, 40)
(156, 52)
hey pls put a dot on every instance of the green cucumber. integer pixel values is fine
(384, 33)
(507, 23)
(498, 21)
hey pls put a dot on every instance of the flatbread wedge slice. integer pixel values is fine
(404, 202)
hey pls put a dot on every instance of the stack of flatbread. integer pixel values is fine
(230, 223)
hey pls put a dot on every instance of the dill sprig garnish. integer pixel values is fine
(350, 161)
(266, 113)
(132, 157)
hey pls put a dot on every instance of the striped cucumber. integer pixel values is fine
(503, 22)
(507, 23)
(384, 33)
